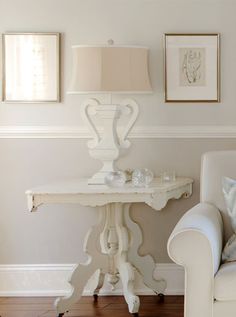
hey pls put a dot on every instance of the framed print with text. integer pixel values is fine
(192, 67)
(31, 67)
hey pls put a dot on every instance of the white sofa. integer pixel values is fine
(197, 240)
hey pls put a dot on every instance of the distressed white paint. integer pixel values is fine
(78, 191)
(117, 253)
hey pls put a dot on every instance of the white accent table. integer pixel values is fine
(112, 245)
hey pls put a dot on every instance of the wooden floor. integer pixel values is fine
(107, 306)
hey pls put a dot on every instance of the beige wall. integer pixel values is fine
(140, 22)
(54, 235)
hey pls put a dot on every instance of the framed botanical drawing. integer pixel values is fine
(31, 67)
(192, 67)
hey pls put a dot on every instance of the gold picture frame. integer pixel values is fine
(31, 67)
(192, 67)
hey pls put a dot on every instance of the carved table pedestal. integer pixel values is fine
(112, 245)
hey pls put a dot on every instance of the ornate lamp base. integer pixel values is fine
(107, 144)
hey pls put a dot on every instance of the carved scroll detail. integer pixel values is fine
(88, 109)
(128, 106)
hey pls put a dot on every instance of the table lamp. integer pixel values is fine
(110, 70)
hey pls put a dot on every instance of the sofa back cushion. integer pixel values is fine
(216, 165)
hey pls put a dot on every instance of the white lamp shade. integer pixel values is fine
(117, 69)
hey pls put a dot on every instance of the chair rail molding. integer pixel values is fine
(138, 132)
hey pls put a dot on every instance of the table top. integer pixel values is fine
(80, 186)
(78, 191)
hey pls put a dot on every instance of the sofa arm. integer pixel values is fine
(196, 244)
(201, 224)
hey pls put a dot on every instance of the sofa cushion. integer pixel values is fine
(225, 282)
(229, 190)
(216, 165)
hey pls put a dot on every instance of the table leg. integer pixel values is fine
(83, 272)
(126, 270)
(98, 283)
(127, 275)
(144, 264)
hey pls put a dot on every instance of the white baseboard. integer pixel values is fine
(52, 280)
(138, 132)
